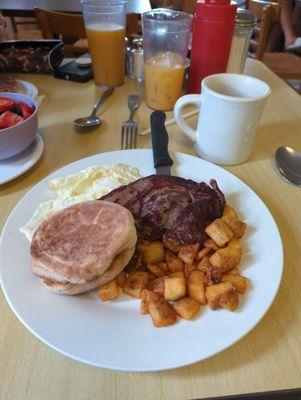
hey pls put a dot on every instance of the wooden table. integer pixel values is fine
(268, 358)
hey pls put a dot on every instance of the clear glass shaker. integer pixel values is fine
(137, 71)
(245, 22)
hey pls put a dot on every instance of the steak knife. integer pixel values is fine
(162, 159)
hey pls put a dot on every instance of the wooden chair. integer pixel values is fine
(71, 26)
(65, 25)
(286, 66)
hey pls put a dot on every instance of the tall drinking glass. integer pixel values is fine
(166, 35)
(105, 26)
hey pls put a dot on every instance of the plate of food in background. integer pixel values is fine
(12, 85)
(85, 285)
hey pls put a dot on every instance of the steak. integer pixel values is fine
(170, 208)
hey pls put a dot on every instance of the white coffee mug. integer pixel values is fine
(231, 106)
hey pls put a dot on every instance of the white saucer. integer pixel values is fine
(16, 166)
(27, 88)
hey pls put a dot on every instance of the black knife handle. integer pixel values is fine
(159, 139)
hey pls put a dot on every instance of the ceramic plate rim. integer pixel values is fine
(40, 147)
(197, 358)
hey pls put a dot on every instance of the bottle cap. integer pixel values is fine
(216, 10)
(245, 18)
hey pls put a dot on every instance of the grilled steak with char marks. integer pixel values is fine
(170, 208)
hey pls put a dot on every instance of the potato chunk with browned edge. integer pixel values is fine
(109, 291)
(196, 286)
(156, 285)
(121, 278)
(229, 300)
(188, 252)
(227, 258)
(214, 292)
(161, 312)
(186, 308)
(174, 287)
(151, 252)
(173, 262)
(146, 297)
(219, 231)
(237, 226)
(239, 282)
(135, 284)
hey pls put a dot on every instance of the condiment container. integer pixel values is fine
(245, 22)
(213, 27)
(137, 60)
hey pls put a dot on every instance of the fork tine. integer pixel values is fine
(127, 138)
(135, 137)
(131, 136)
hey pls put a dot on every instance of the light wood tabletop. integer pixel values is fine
(268, 358)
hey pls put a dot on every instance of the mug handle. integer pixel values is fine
(195, 99)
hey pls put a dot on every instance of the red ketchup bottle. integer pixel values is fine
(213, 27)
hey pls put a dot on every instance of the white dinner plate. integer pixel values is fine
(114, 334)
(27, 88)
(13, 167)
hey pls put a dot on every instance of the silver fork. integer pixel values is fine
(129, 128)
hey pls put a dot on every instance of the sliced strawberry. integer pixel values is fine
(26, 109)
(9, 118)
(6, 104)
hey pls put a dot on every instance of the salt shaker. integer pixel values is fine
(128, 58)
(137, 60)
(245, 22)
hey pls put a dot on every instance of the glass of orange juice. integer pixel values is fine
(105, 26)
(166, 36)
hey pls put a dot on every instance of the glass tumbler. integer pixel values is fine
(166, 36)
(105, 26)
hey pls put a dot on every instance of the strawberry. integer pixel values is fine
(26, 109)
(9, 118)
(6, 104)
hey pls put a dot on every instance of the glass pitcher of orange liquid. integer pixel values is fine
(105, 26)
(166, 36)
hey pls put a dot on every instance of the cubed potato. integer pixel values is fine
(219, 231)
(233, 271)
(188, 252)
(239, 282)
(227, 258)
(237, 226)
(188, 268)
(146, 296)
(151, 252)
(229, 211)
(135, 283)
(121, 278)
(196, 286)
(156, 285)
(229, 300)
(161, 312)
(214, 292)
(174, 287)
(109, 291)
(135, 264)
(204, 264)
(212, 276)
(177, 273)
(203, 253)
(173, 262)
(210, 244)
(186, 308)
(172, 246)
(156, 269)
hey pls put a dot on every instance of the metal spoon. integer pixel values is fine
(93, 120)
(288, 162)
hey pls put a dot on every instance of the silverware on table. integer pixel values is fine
(93, 120)
(162, 159)
(129, 129)
(288, 162)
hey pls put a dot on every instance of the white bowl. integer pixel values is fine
(15, 139)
